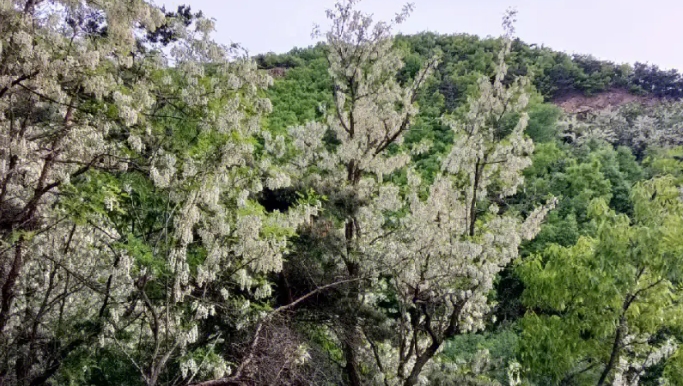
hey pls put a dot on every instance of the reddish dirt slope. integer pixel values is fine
(578, 103)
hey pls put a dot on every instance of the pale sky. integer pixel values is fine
(617, 30)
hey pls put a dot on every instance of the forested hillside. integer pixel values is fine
(372, 210)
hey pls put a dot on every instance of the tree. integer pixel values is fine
(58, 65)
(128, 192)
(600, 309)
(371, 113)
(408, 241)
(443, 249)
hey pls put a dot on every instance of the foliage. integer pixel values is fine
(127, 193)
(494, 351)
(600, 304)
(554, 74)
(633, 125)
(374, 209)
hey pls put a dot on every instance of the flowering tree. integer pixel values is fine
(445, 246)
(638, 126)
(138, 244)
(127, 189)
(56, 66)
(431, 251)
(371, 112)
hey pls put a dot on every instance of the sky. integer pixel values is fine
(622, 31)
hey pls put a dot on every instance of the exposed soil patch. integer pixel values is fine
(277, 72)
(578, 103)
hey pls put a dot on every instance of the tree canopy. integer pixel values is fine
(376, 209)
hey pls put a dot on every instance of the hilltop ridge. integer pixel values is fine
(570, 81)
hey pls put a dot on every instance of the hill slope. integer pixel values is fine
(557, 76)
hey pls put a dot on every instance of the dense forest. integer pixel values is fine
(376, 209)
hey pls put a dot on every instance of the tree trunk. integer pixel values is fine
(351, 342)
(473, 205)
(420, 362)
(351, 336)
(615, 352)
(9, 284)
